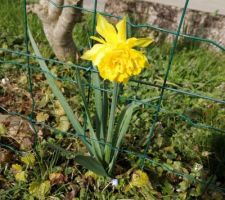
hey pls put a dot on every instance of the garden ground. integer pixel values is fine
(186, 156)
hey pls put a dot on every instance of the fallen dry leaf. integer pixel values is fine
(6, 156)
(20, 134)
(56, 178)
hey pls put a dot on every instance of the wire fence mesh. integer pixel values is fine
(28, 63)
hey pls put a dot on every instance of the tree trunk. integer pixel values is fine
(58, 24)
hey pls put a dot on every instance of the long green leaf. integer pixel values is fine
(95, 80)
(124, 119)
(112, 117)
(98, 105)
(105, 110)
(122, 127)
(95, 141)
(56, 91)
(91, 164)
(121, 130)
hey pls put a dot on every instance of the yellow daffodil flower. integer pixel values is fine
(115, 57)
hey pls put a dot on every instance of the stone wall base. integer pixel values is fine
(197, 23)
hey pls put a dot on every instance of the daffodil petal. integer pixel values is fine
(139, 61)
(105, 29)
(143, 42)
(95, 54)
(121, 28)
(97, 39)
(140, 42)
(91, 54)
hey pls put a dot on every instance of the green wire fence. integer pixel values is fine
(156, 104)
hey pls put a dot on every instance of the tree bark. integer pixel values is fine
(58, 24)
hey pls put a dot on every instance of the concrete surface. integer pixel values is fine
(202, 5)
(89, 4)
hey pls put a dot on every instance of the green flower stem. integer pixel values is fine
(111, 123)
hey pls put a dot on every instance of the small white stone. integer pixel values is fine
(5, 81)
(114, 182)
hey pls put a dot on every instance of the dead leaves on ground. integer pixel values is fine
(14, 98)
(19, 134)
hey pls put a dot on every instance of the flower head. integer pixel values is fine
(114, 56)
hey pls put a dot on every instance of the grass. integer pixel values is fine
(10, 12)
(178, 142)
